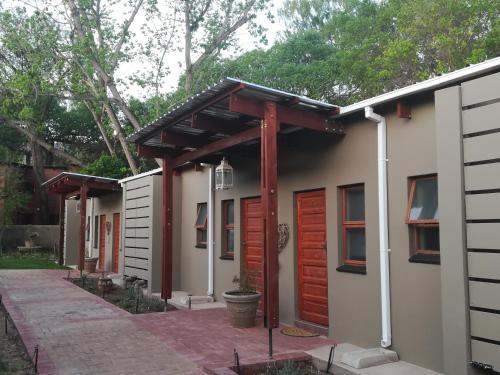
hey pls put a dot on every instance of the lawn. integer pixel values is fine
(35, 261)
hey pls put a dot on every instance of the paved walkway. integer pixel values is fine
(79, 333)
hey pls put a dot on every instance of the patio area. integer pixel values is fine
(79, 333)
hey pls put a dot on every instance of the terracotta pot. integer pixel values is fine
(242, 307)
(90, 265)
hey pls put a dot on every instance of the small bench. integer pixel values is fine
(28, 249)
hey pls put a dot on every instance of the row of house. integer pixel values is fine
(376, 223)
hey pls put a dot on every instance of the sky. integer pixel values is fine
(175, 62)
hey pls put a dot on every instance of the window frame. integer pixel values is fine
(200, 228)
(416, 225)
(351, 224)
(226, 228)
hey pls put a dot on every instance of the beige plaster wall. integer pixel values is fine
(312, 161)
(415, 287)
(105, 205)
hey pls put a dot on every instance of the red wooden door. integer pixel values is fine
(102, 241)
(313, 274)
(253, 241)
(116, 241)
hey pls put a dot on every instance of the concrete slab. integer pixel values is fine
(398, 368)
(320, 360)
(369, 357)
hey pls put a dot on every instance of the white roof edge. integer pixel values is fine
(144, 174)
(432, 83)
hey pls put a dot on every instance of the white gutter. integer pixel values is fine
(144, 174)
(385, 288)
(210, 229)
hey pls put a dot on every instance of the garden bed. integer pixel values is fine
(127, 299)
(13, 357)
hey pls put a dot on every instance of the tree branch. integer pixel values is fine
(23, 128)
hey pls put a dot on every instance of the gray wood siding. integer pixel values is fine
(481, 156)
(137, 238)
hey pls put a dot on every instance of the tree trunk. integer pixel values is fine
(121, 137)
(188, 40)
(100, 125)
(24, 130)
(40, 199)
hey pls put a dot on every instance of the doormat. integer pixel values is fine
(298, 332)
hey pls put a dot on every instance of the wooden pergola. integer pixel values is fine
(79, 186)
(233, 118)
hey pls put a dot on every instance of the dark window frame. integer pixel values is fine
(201, 229)
(415, 226)
(226, 229)
(351, 224)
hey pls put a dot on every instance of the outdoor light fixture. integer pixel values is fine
(223, 176)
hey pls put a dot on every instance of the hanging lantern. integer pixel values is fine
(223, 176)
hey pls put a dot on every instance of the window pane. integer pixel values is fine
(355, 243)
(202, 214)
(230, 241)
(229, 212)
(355, 204)
(203, 235)
(425, 200)
(428, 238)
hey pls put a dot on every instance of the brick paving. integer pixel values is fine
(79, 333)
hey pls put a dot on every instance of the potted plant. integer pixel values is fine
(242, 304)
(90, 264)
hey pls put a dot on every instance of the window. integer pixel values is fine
(201, 225)
(353, 229)
(96, 231)
(228, 229)
(423, 219)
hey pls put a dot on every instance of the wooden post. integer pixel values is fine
(62, 213)
(83, 219)
(166, 275)
(269, 197)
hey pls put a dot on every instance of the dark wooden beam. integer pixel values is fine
(286, 115)
(403, 110)
(183, 140)
(62, 213)
(246, 106)
(91, 184)
(215, 125)
(269, 197)
(83, 218)
(151, 152)
(166, 284)
(217, 146)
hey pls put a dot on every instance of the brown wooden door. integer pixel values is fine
(312, 257)
(102, 241)
(116, 241)
(253, 242)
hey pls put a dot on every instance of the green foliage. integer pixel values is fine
(107, 166)
(14, 198)
(384, 45)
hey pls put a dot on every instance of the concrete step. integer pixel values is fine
(356, 356)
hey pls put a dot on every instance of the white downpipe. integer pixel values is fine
(91, 229)
(385, 289)
(210, 230)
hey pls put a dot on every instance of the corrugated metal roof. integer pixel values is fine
(79, 176)
(252, 90)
